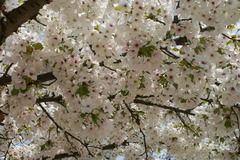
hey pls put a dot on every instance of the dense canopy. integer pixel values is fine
(98, 79)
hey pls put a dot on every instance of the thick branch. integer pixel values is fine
(1, 3)
(20, 15)
(44, 77)
(181, 41)
(63, 155)
(164, 107)
(48, 98)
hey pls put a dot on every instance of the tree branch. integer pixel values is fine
(1, 3)
(145, 143)
(233, 39)
(181, 41)
(48, 98)
(188, 112)
(44, 77)
(63, 155)
(66, 132)
(16, 17)
(167, 52)
(207, 28)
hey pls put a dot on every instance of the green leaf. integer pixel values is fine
(188, 65)
(182, 100)
(38, 46)
(197, 49)
(184, 63)
(83, 115)
(168, 35)
(30, 108)
(152, 17)
(94, 118)
(117, 8)
(203, 40)
(229, 42)
(146, 51)
(29, 50)
(191, 76)
(175, 85)
(226, 109)
(141, 86)
(70, 50)
(47, 145)
(124, 92)
(228, 123)
(182, 53)
(231, 27)
(15, 91)
(97, 27)
(27, 79)
(141, 113)
(175, 49)
(216, 111)
(82, 90)
(220, 51)
(19, 130)
(166, 62)
(222, 139)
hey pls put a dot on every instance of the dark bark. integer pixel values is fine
(16, 17)
(44, 77)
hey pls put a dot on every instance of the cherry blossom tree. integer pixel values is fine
(95, 79)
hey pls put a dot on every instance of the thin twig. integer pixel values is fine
(145, 143)
(183, 121)
(233, 39)
(238, 124)
(103, 65)
(9, 144)
(167, 52)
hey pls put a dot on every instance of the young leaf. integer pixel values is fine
(146, 51)
(117, 8)
(82, 90)
(38, 46)
(228, 123)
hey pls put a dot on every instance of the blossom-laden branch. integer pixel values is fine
(53, 98)
(231, 38)
(63, 155)
(8, 147)
(86, 145)
(188, 111)
(41, 78)
(137, 120)
(66, 132)
(16, 17)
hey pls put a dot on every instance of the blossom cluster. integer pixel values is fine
(106, 78)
